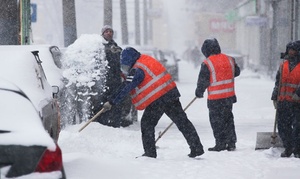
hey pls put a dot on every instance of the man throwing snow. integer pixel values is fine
(113, 80)
(152, 89)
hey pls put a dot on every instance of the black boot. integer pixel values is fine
(195, 153)
(231, 147)
(286, 153)
(218, 148)
(297, 153)
(149, 155)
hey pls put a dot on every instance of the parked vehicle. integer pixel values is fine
(25, 146)
(239, 58)
(171, 64)
(23, 66)
(166, 57)
(153, 52)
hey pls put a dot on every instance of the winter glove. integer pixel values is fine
(295, 97)
(198, 94)
(275, 104)
(106, 106)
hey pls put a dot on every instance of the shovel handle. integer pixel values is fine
(274, 135)
(89, 121)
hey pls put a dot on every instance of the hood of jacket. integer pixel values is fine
(129, 56)
(210, 47)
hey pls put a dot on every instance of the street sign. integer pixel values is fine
(221, 25)
(256, 21)
(33, 9)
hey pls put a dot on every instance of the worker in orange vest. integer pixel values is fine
(217, 75)
(287, 101)
(153, 90)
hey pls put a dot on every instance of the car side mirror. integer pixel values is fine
(55, 90)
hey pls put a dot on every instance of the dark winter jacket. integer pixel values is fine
(293, 61)
(212, 47)
(292, 64)
(113, 75)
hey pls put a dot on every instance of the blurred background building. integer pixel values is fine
(257, 29)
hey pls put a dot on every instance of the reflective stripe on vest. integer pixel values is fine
(155, 84)
(219, 87)
(289, 82)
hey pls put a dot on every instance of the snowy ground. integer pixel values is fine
(104, 152)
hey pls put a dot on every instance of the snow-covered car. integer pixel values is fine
(25, 146)
(151, 51)
(23, 65)
(166, 57)
(239, 58)
(171, 63)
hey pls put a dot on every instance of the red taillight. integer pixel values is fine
(50, 161)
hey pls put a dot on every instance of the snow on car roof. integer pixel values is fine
(53, 73)
(20, 67)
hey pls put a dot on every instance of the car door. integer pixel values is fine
(50, 112)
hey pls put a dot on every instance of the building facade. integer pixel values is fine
(263, 28)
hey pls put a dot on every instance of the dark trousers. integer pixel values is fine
(289, 125)
(222, 123)
(174, 111)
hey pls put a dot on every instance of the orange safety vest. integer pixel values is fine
(290, 81)
(221, 69)
(156, 83)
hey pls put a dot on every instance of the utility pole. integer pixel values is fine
(296, 19)
(274, 36)
(137, 23)
(9, 22)
(124, 25)
(25, 22)
(145, 23)
(108, 12)
(69, 20)
(150, 26)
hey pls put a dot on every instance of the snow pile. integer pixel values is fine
(85, 68)
(82, 58)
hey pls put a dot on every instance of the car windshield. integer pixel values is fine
(170, 57)
(148, 52)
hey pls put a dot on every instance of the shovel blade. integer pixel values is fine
(266, 140)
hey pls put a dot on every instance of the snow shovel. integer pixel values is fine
(93, 118)
(266, 140)
(162, 133)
